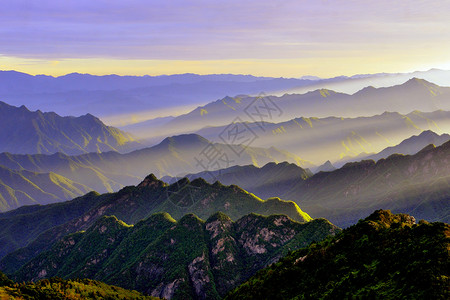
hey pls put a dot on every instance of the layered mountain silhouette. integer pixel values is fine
(340, 139)
(110, 171)
(185, 259)
(39, 226)
(27, 132)
(417, 184)
(271, 180)
(326, 167)
(413, 144)
(21, 187)
(112, 95)
(382, 257)
(415, 94)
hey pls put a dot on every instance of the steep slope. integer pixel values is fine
(336, 138)
(21, 226)
(23, 187)
(384, 256)
(413, 144)
(110, 171)
(188, 259)
(56, 288)
(27, 132)
(130, 204)
(416, 184)
(271, 180)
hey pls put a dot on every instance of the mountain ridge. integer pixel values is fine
(130, 204)
(200, 259)
(383, 256)
(27, 132)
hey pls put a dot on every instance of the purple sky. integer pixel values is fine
(409, 33)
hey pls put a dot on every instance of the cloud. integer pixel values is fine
(166, 29)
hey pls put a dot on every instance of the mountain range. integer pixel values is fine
(38, 226)
(34, 132)
(185, 259)
(415, 94)
(110, 171)
(113, 96)
(339, 139)
(253, 187)
(270, 180)
(413, 144)
(120, 99)
(384, 256)
(417, 184)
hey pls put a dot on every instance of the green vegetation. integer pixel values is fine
(56, 288)
(385, 256)
(20, 227)
(38, 227)
(185, 259)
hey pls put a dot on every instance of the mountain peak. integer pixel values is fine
(428, 133)
(184, 140)
(428, 148)
(419, 82)
(385, 219)
(326, 167)
(151, 181)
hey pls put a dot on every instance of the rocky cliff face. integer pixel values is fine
(185, 259)
(385, 256)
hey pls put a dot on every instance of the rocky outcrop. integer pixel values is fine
(185, 259)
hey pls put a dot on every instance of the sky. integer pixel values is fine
(265, 38)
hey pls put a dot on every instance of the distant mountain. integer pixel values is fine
(56, 288)
(45, 224)
(188, 259)
(416, 184)
(415, 94)
(271, 180)
(26, 132)
(326, 167)
(413, 144)
(110, 171)
(385, 256)
(337, 139)
(355, 83)
(124, 96)
(23, 187)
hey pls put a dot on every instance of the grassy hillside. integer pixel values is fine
(384, 256)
